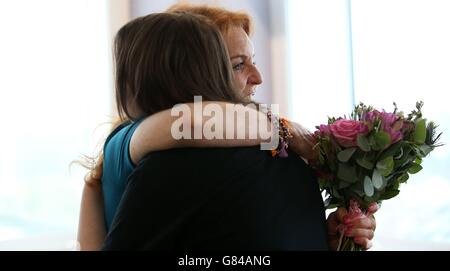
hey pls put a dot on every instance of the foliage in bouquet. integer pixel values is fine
(368, 156)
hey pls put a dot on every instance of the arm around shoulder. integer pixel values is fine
(180, 127)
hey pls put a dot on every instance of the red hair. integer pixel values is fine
(222, 18)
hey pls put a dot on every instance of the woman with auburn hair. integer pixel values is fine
(153, 133)
(236, 28)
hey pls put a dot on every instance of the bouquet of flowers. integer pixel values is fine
(364, 159)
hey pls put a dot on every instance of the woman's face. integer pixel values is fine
(246, 74)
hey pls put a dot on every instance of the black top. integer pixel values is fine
(219, 199)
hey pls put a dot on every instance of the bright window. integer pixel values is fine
(319, 60)
(55, 91)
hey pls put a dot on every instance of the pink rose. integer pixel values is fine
(346, 131)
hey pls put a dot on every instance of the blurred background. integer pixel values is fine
(318, 58)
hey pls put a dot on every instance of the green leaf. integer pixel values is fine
(403, 178)
(414, 169)
(377, 179)
(389, 194)
(386, 166)
(418, 161)
(364, 163)
(323, 182)
(368, 187)
(363, 143)
(382, 140)
(399, 155)
(346, 173)
(425, 150)
(395, 186)
(393, 150)
(420, 133)
(406, 157)
(335, 193)
(385, 181)
(345, 155)
(372, 142)
(332, 206)
(343, 184)
(358, 189)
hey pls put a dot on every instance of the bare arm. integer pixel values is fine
(155, 132)
(91, 227)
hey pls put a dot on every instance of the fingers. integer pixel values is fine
(363, 242)
(361, 228)
(332, 224)
(95, 174)
(373, 208)
(359, 233)
(342, 213)
(97, 171)
(363, 223)
(361, 237)
(303, 142)
(335, 219)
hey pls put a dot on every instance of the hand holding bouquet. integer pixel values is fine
(364, 159)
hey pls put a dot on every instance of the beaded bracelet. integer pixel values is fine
(284, 132)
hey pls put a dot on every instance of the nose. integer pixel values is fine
(255, 77)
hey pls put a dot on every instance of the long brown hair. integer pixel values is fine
(163, 59)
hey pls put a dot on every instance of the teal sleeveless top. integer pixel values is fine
(117, 166)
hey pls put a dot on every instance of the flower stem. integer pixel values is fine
(339, 246)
